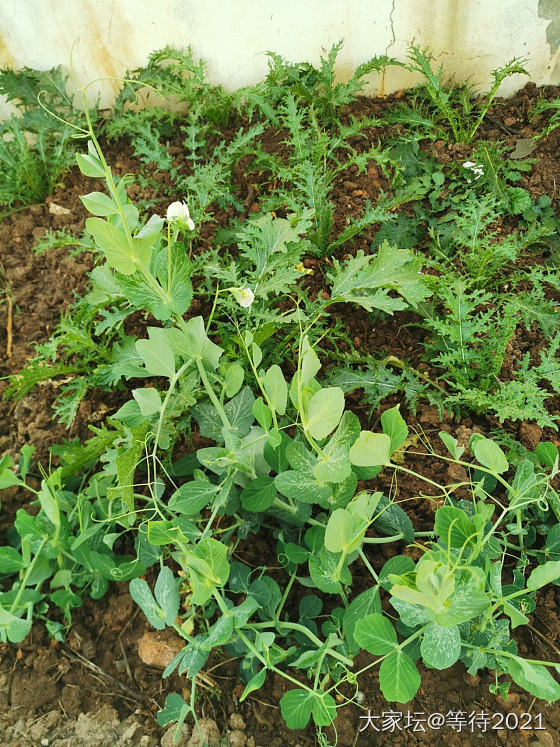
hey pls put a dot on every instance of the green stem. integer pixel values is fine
(212, 394)
(25, 578)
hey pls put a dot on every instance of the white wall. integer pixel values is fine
(471, 37)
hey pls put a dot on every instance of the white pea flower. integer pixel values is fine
(178, 212)
(477, 169)
(243, 296)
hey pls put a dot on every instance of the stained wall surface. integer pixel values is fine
(104, 38)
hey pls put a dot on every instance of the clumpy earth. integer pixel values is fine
(103, 686)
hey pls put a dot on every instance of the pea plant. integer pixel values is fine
(279, 456)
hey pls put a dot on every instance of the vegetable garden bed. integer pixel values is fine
(355, 278)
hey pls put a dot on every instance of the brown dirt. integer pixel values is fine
(46, 688)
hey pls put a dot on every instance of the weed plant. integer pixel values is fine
(35, 147)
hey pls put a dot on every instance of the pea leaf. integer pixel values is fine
(198, 345)
(454, 527)
(10, 560)
(233, 379)
(302, 487)
(167, 594)
(142, 595)
(123, 254)
(255, 683)
(544, 574)
(148, 400)
(534, 678)
(89, 164)
(391, 519)
(399, 679)
(324, 411)
(193, 496)
(14, 628)
(490, 455)
(98, 203)
(276, 388)
(175, 709)
(259, 494)
(157, 356)
(371, 449)
(376, 634)
(440, 647)
(364, 604)
(340, 530)
(394, 426)
(297, 706)
(451, 444)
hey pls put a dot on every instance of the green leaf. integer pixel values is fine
(198, 345)
(7, 477)
(276, 388)
(233, 379)
(364, 604)
(89, 164)
(376, 634)
(544, 574)
(262, 414)
(302, 487)
(547, 453)
(324, 411)
(208, 568)
(489, 454)
(394, 426)
(371, 450)
(259, 494)
(440, 647)
(255, 683)
(534, 678)
(14, 628)
(397, 565)
(452, 445)
(10, 560)
(142, 595)
(148, 400)
(157, 356)
(326, 575)
(175, 709)
(121, 253)
(334, 463)
(296, 707)
(178, 293)
(399, 679)
(390, 519)
(166, 593)
(100, 204)
(454, 527)
(193, 496)
(126, 462)
(366, 280)
(340, 531)
(310, 363)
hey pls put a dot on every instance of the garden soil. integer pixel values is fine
(103, 686)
